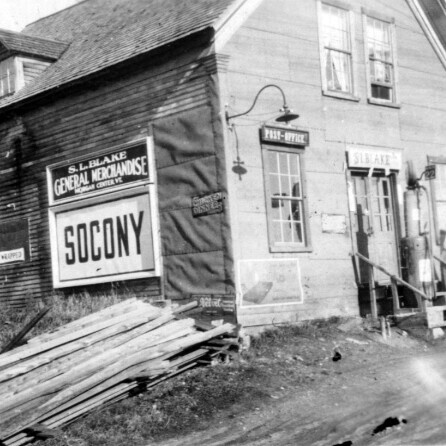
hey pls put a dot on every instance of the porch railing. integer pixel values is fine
(394, 281)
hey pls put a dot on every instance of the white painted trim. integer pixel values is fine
(429, 31)
(354, 95)
(232, 20)
(19, 75)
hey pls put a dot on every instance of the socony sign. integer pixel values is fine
(109, 239)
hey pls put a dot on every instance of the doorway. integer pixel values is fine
(374, 224)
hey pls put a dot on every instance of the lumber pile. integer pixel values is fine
(94, 361)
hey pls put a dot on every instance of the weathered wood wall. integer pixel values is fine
(116, 108)
(279, 44)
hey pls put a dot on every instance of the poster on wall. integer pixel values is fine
(14, 241)
(270, 282)
(103, 241)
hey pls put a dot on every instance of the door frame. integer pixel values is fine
(395, 209)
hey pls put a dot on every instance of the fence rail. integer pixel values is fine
(394, 281)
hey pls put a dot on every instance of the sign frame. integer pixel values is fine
(262, 288)
(88, 202)
(289, 136)
(373, 158)
(148, 142)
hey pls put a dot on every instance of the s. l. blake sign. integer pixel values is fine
(374, 158)
(288, 136)
(111, 240)
(115, 168)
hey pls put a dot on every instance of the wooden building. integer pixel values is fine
(128, 163)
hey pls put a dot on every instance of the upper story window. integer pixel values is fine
(380, 58)
(7, 77)
(336, 32)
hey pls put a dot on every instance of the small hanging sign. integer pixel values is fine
(430, 172)
(288, 136)
(207, 204)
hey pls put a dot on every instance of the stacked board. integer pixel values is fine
(97, 360)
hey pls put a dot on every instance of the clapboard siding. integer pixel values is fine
(32, 69)
(99, 115)
(278, 44)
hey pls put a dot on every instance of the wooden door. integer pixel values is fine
(374, 225)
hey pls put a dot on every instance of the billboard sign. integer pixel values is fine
(103, 241)
(108, 170)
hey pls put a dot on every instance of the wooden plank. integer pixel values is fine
(86, 375)
(24, 331)
(34, 349)
(372, 292)
(395, 295)
(107, 313)
(64, 358)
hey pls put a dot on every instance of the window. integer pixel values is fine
(7, 77)
(380, 54)
(285, 196)
(336, 51)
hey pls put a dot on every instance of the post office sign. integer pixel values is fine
(286, 136)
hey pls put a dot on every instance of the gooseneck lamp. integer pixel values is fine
(286, 116)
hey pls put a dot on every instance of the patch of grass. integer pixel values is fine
(64, 309)
(191, 401)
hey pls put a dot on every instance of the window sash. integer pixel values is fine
(336, 50)
(286, 209)
(380, 50)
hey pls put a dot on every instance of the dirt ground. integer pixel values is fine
(338, 385)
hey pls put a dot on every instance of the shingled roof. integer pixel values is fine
(18, 43)
(102, 33)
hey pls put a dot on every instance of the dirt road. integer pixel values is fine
(406, 394)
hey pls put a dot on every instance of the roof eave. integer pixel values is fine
(429, 30)
(208, 35)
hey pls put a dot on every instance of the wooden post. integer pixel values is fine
(372, 290)
(395, 297)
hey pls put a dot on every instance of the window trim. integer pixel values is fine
(353, 96)
(394, 103)
(274, 247)
(435, 160)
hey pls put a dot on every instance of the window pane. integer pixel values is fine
(335, 28)
(295, 190)
(277, 231)
(274, 184)
(381, 92)
(380, 72)
(283, 163)
(272, 161)
(287, 235)
(338, 71)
